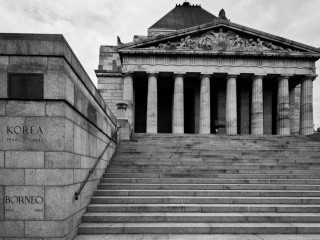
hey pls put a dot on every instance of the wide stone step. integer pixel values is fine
(213, 147)
(195, 164)
(156, 174)
(199, 228)
(210, 181)
(202, 200)
(210, 146)
(214, 171)
(217, 208)
(201, 217)
(208, 186)
(218, 153)
(215, 162)
(210, 168)
(216, 193)
(196, 236)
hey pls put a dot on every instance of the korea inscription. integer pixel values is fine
(14, 133)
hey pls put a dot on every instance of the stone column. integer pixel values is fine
(306, 108)
(128, 96)
(178, 108)
(294, 105)
(152, 104)
(204, 104)
(283, 121)
(257, 106)
(231, 105)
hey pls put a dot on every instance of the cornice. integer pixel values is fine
(104, 73)
(141, 51)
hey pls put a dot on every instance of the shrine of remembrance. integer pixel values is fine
(198, 73)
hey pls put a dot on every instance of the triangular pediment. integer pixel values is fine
(221, 36)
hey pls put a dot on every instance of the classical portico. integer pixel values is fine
(229, 99)
(213, 78)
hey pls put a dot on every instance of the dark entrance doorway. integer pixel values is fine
(141, 91)
(165, 98)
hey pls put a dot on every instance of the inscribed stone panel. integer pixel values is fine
(32, 133)
(24, 203)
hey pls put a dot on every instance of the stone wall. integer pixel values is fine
(48, 145)
(111, 89)
(109, 73)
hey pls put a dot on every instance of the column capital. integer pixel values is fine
(232, 76)
(309, 76)
(178, 75)
(284, 76)
(205, 75)
(152, 74)
(127, 74)
(257, 76)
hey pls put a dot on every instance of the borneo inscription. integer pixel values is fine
(24, 202)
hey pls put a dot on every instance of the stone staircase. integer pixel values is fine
(195, 184)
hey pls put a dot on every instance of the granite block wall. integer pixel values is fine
(48, 145)
(111, 89)
(110, 80)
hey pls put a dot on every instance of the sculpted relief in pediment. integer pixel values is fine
(222, 41)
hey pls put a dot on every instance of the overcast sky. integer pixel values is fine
(87, 24)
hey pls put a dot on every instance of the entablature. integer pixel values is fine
(215, 53)
(209, 64)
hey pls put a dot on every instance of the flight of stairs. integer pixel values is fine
(213, 184)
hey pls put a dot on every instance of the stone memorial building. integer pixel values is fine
(198, 73)
(77, 162)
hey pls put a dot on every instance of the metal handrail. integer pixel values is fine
(77, 194)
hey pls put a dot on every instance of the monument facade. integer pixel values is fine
(198, 73)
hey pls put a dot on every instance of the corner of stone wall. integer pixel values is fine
(48, 145)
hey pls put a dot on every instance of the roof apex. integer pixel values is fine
(183, 16)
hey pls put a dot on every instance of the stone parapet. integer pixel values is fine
(49, 143)
(46, 47)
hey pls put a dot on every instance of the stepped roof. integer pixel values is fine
(184, 16)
